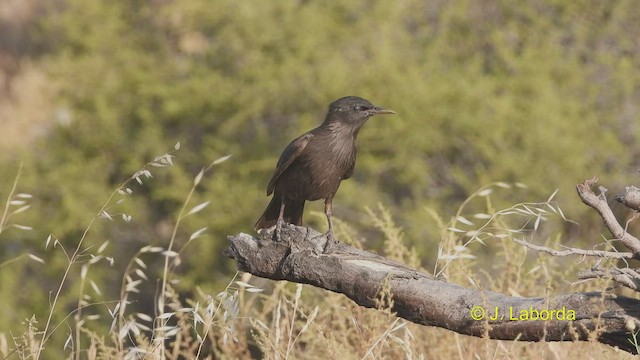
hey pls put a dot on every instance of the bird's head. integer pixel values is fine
(354, 111)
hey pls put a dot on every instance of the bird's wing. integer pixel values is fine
(289, 155)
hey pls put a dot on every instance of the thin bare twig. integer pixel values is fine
(576, 251)
(626, 277)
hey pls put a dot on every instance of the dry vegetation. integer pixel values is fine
(486, 91)
(257, 318)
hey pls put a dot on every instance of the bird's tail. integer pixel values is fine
(292, 212)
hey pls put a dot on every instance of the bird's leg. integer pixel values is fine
(331, 239)
(280, 220)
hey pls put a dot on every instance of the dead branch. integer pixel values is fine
(630, 198)
(625, 276)
(599, 203)
(576, 251)
(417, 297)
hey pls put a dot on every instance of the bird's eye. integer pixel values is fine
(359, 108)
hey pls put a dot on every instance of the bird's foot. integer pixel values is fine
(331, 243)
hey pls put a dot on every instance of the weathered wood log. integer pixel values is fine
(299, 256)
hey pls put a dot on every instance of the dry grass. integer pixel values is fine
(257, 318)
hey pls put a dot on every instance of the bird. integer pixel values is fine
(314, 164)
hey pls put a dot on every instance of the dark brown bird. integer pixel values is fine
(314, 164)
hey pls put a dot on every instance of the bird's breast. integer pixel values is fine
(317, 173)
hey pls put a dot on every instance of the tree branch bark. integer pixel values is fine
(298, 257)
(599, 203)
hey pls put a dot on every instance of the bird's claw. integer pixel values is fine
(331, 243)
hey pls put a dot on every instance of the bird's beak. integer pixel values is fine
(377, 110)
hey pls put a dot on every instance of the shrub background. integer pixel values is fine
(543, 93)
